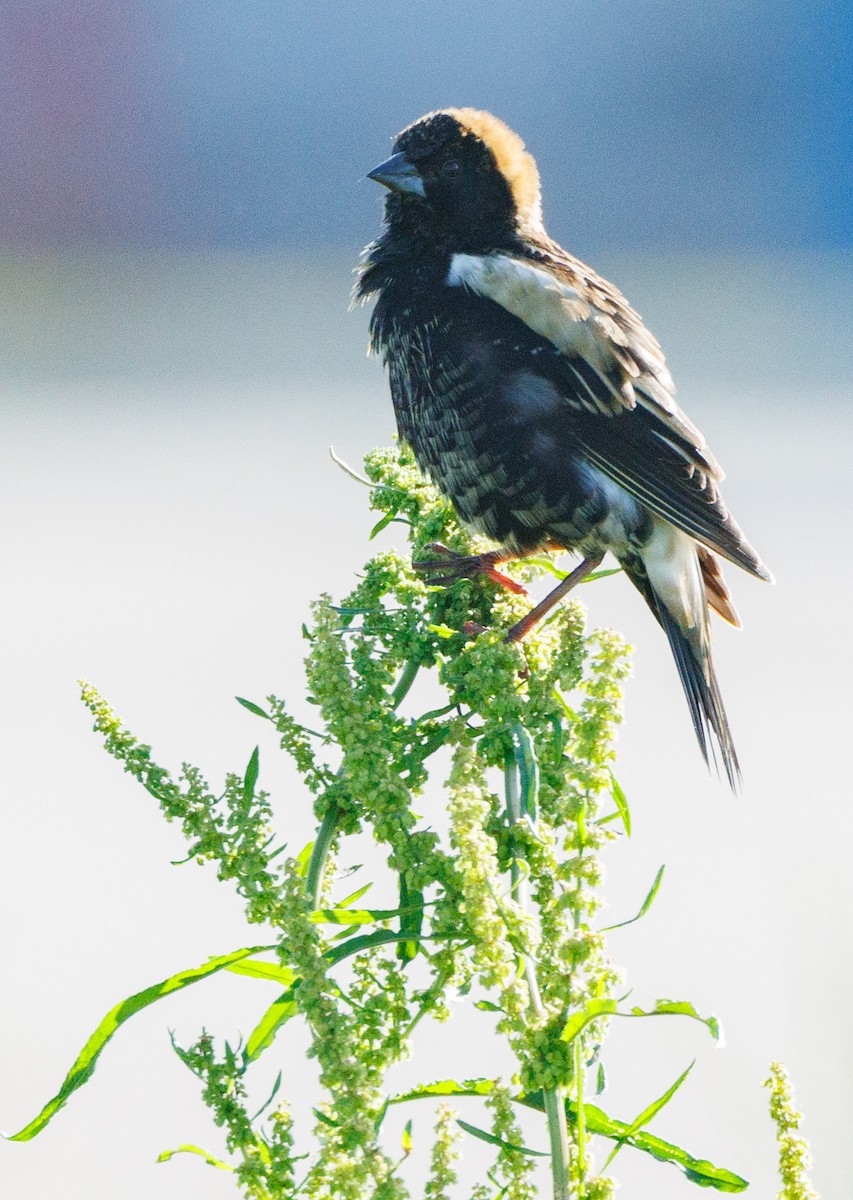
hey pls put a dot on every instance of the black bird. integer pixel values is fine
(535, 398)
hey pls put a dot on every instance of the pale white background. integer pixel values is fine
(168, 512)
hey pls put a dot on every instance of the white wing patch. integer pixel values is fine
(625, 356)
(556, 311)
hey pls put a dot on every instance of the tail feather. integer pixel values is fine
(719, 596)
(699, 681)
(679, 584)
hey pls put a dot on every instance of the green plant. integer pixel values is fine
(794, 1153)
(500, 906)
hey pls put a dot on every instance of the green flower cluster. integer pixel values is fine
(498, 928)
(266, 1167)
(504, 901)
(794, 1153)
(353, 1054)
(513, 1169)
(233, 829)
(445, 1154)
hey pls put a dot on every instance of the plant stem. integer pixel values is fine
(407, 678)
(581, 1121)
(558, 1133)
(555, 1109)
(513, 813)
(319, 854)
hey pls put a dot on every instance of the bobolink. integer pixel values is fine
(535, 398)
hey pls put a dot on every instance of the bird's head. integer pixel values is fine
(463, 177)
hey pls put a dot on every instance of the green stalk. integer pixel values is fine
(555, 1109)
(404, 683)
(580, 1128)
(558, 1133)
(319, 854)
(513, 813)
(580, 1124)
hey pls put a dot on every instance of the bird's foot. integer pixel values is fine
(449, 566)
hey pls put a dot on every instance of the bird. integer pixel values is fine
(537, 401)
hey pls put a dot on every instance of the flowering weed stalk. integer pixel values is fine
(794, 1153)
(502, 905)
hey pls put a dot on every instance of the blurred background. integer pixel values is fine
(182, 204)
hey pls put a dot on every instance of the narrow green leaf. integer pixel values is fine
(253, 708)
(697, 1170)
(345, 916)
(663, 1008)
(593, 1009)
(496, 1183)
(600, 1080)
(269, 1098)
(381, 524)
(446, 1087)
(443, 631)
(360, 916)
(251, 776)
(649, 1112)
(488, 1006)
(432, 715)
(349, 611)
(367, 941)
(644, 907)
(187, 1149)
(528, 770)
(679, 1008)
(303, 859)
(339, 462)
(347, 931)
(591, 578)
(87, 1059)
(568, 711)
(494, 1140)
(621, 802)
(411, 915)
(257, 969)
(546, 564)
(353, 896)
(383, 1112)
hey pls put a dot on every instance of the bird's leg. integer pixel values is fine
(523, 627)
(450, 566)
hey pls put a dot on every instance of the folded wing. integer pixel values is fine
(611, 372)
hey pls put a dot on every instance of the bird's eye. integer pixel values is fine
(451, 167)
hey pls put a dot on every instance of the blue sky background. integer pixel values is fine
(201, 124)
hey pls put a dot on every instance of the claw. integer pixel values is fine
(449, 568)
(465, 566)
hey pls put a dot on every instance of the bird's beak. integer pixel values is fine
(400, 175)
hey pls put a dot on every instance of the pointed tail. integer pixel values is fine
(672, 576)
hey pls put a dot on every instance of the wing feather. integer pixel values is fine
(582, 316)
(612, 372)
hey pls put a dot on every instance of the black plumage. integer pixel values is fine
(533, 395)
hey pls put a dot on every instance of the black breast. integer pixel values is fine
(477, 396)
